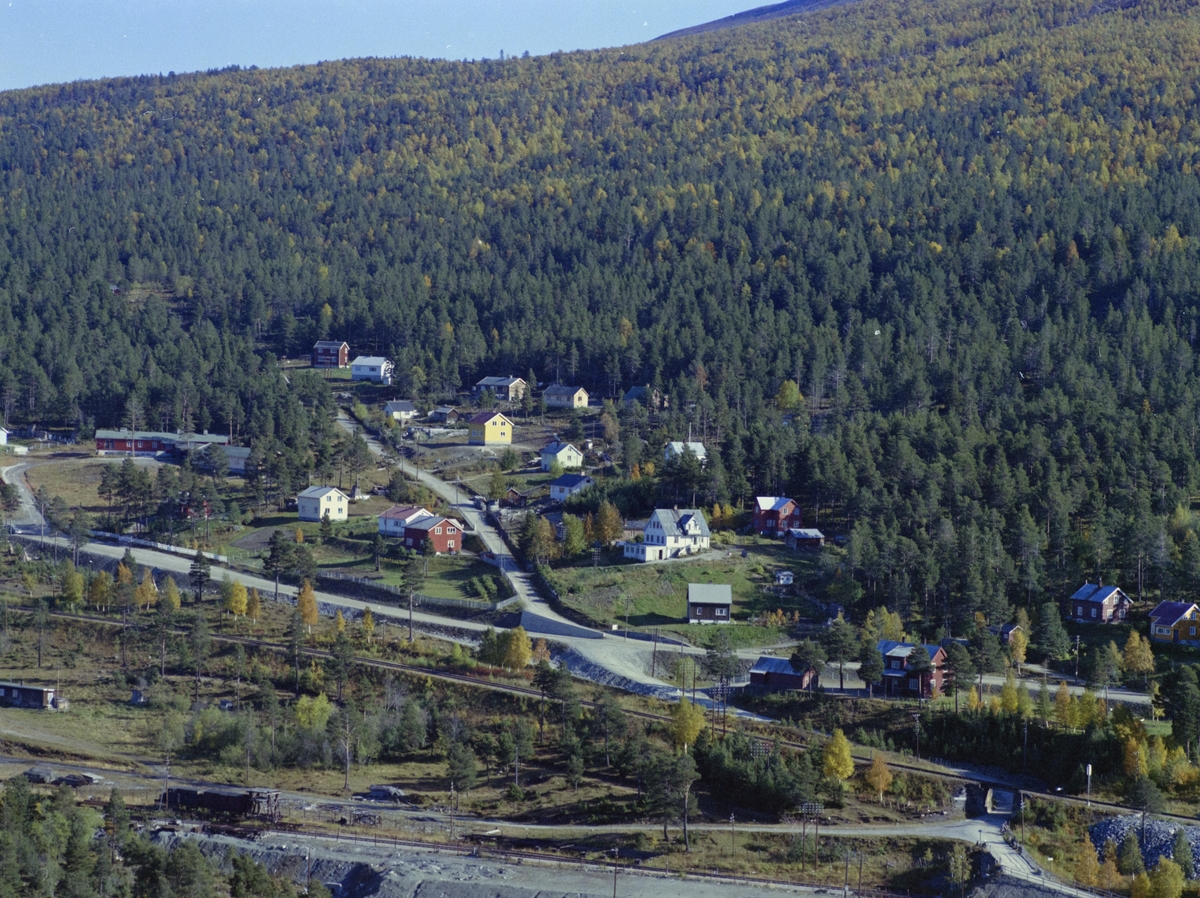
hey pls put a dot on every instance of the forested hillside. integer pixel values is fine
(967, 230)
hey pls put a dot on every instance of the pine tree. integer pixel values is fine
(1181, 853)
(1129, 860)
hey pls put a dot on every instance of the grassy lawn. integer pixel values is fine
(76, 478)
(659, 591)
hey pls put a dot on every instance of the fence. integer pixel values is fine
(369, 587)
(122, 540)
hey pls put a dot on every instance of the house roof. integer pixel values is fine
(1097, 592)
(558, 447)
(484, 417)
(772, 503)
(330, 344)
(1167, 614)
(123, 434)
(404, 513)
(767, 664)
(444, 410)
(499, 382)
(636, 394)
(889, 648)
(370, 361)
(320, 492)
(805, 533)
(561, 390)
(710, 594)
(677, 447)
(426, 521)
(571, 481)
(675, 521)
(399, 405)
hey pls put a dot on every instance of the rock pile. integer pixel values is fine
(1159, 836)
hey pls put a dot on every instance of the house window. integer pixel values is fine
(437, 530)
(449, 544)
(1093, 612)
(914, 684)
(1192, 631)
(722, 612)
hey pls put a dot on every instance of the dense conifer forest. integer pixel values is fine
(966, 231)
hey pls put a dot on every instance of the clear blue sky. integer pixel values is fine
(46, 41)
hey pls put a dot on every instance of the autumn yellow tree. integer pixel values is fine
(836, 758)
(1133, 758)
(146, 593)
(368, 624)
(253, 605)
(1087, 867)
(339, 621)
(236, 599)
(1062, 704)
(1018, 646)
(171, 594)
(1138, 656)
(1140, 887)
(1008, 694)
(1166, 881)
(518, 649)
(687, 721)
(306, 601)
(878, 776)
(100, 590)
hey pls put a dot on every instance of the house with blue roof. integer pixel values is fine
(1175, 622)
(778, 675)
(1095, 603)
(901, 681)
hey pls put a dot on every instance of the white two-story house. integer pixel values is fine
(670, 533)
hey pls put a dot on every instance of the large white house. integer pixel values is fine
(374, 368)
(317, 501)
(671, 533)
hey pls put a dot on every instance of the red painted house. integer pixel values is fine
(330, 354)
(900, 681)
(1095, 603)
(776, 515)
(444, 534)
(778, 675)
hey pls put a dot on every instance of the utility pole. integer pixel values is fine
(1077, 660)
(733, 842)
(615, 871)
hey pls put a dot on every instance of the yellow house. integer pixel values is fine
(1175, 622)
(489, 428)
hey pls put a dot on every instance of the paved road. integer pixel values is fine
(596, 655)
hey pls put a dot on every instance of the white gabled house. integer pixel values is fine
(568, 485)
(566, 455)
(671, 533)
(317, 501)
(394, 521)
(676, 448)
(373, 368)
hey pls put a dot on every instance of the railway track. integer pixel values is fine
(650, 716)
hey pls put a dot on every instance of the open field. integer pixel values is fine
(659, 591)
